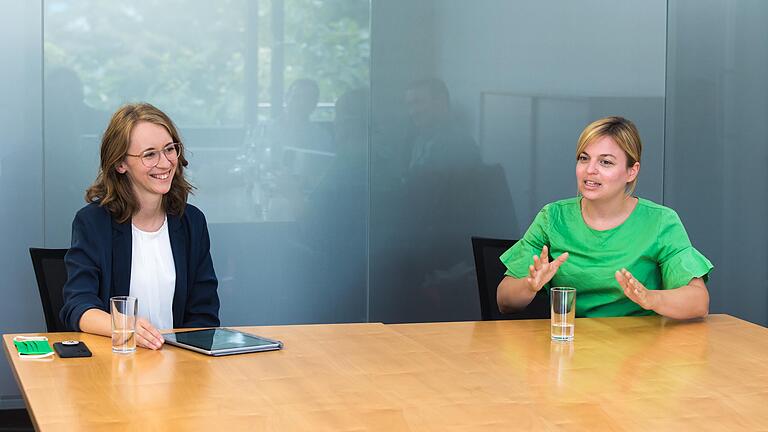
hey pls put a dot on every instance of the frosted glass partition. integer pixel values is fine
(271, 99)
(21, 177)
(475, 126)
(715, 172)
(475, 114)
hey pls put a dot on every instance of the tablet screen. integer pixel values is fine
(217, 339)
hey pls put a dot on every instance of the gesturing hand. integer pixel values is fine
(542, 271)
(647, 299)
(147, 335)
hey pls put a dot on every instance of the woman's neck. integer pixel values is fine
(150, 216)
(604, 215)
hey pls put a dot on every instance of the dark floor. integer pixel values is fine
(16, 420)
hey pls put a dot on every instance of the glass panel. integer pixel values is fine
(477, 107)
(715, 174)
(280, 170)
(21, 176)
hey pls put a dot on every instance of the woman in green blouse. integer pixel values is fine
(624, 255)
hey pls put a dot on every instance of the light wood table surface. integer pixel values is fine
(649, 374)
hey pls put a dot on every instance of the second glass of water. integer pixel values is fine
(123, 313)
(563, 301)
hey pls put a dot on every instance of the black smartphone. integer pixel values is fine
(70, 348)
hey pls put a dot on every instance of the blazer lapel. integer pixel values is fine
(121, 258)
(178, 248)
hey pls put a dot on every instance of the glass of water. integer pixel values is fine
(563, 318)
(123, 312)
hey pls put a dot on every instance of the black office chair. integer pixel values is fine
(51, 276)
(490, 271)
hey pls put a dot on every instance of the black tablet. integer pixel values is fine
(221, 341)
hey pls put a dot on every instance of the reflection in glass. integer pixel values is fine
(253, 87)
(340, 171)
(473, 131)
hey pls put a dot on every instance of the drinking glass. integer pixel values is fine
(563, 318)
(123, 312)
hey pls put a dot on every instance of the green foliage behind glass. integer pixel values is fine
(190, 57)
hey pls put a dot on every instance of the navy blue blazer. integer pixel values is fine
(99, 267)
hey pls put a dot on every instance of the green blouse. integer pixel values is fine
(652, 244)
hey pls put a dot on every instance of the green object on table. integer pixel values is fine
(33, 347)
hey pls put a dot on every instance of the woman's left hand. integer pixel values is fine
(147, 336)
(647, 299)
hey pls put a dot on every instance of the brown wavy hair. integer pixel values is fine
(112, 189)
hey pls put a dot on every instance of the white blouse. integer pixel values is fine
(153, 275)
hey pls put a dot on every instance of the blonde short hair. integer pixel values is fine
(623, 132)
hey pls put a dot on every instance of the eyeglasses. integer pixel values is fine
(151, 158)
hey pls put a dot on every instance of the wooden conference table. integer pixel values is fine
(645, 374)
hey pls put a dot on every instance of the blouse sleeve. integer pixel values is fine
(81, 291)
(202, 308)
(678, 259)
(520, 256)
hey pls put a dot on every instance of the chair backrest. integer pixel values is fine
(51, 276)
(490, 271)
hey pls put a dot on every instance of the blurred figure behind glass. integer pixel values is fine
(447, 195)
(295, 129)
(295, 156)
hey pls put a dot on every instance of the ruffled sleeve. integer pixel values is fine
(679, 260)
(519, 257)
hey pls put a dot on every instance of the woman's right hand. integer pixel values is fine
(147, 335)
(542, 271)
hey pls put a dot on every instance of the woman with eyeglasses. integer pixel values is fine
(138, 236)
(624, 255)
